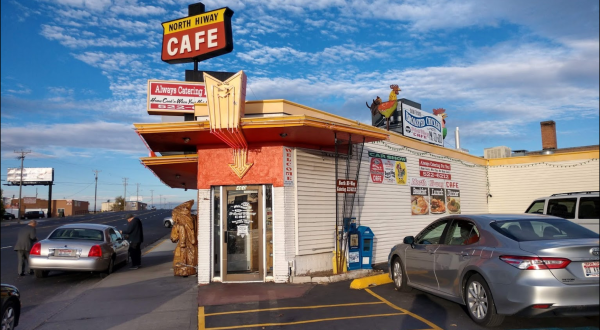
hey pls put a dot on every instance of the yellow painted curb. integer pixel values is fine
(365, 282)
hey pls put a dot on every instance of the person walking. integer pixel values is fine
(135, 232)
(25, 239)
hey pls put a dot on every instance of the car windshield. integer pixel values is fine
(77, 233)
(541, 229)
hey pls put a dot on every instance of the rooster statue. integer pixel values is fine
(442, 113)
(386, 109)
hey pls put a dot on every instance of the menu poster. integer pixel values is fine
(438, 200)
(453, 201)
(419, 200)
(387, 169)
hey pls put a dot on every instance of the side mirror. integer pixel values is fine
(409, 240)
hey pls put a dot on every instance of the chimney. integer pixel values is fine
(548, 134)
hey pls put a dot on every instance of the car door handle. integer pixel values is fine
(465, 254)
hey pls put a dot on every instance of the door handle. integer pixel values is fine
(465, 254)
(225, 236)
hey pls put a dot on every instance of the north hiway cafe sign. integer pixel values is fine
(189, 39)
(198, 37)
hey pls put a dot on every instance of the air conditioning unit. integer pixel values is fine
(496, 152)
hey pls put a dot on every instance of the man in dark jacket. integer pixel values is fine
(25, 239)
(136, 236)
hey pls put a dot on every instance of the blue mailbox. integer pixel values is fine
(354, 255)
(365, 243)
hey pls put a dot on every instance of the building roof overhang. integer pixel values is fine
(176, 171)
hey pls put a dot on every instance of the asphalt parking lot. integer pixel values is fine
(336, 306)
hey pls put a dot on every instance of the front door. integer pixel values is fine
(243, 233)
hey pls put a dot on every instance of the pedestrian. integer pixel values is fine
(25, 239)
(136, 236)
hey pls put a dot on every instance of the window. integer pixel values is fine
(588, 208)
(462, 233)
(77, 234)
(538, 230)
(536, 207)
(432, 234)
(113, 235)
(564, 207)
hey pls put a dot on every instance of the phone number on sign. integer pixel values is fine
(443, 176)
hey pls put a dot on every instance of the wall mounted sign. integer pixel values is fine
(422, 126)
(435, 170)
(198, 37)
(346, 187)
(288, 167)
(387, 169)
(174, 97)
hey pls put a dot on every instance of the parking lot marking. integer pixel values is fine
(6, 247)
(429, 323)
(299, 307)
(201, 324)
(304, 322)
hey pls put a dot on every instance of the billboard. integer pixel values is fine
(174, 97)
(30, 175)
(422, 125)
(198, 37)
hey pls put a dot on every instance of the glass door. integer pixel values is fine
(243, 233)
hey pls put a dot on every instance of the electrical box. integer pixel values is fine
(365, 242)
(354, 255)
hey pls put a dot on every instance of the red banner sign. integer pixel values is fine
(346, 187)
(434, 170)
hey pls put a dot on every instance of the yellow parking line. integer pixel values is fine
(303, 322)
(429, 323)
(201, 324)
(299, 307)
(154, 247)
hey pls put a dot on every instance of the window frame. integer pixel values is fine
(575, 206)
(537, 201)
(420, 235)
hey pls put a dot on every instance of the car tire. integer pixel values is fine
(41, 273)
(110, 269)
(9, 316)
(399, 276)
(480, 303)
(167, 224)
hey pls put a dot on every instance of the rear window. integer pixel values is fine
(542, 229)
(588, 208)
(77, 234)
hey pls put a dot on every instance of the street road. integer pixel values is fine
(35, 291)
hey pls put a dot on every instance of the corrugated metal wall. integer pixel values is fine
(514, 187)
(384, 208)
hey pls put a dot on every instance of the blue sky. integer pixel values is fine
(74, 74)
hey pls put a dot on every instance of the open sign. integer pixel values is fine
(197, 37)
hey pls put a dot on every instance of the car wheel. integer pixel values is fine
(109, 270)
(9, 315)
(41, 273)
(399, 276)
(167, 224)
(480, 304)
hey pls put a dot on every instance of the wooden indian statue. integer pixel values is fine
(184, 233)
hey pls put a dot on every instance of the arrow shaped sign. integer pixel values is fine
(240, 165)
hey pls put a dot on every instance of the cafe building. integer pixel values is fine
(276, 180)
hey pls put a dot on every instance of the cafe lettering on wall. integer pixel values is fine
(198, 37)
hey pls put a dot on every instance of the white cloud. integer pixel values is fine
(138, 10)
(72, 39)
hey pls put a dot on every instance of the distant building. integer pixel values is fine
(60, 207)
(135, 206)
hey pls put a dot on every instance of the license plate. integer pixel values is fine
(590, 269)
(65, 253)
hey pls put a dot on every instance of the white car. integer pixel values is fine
(168, 222)
(579, 207)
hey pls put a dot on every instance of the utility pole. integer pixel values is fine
(160, 200)
(152, 197)
(22, 158)
(96, 189)
(125, 192)
(137, 197)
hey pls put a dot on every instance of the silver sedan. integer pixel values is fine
(499, 264)
(79, 247)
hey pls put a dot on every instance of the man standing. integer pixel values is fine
(136, 237)
(25, 239)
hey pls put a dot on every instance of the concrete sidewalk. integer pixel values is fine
(147, 298)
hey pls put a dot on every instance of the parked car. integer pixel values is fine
(168, 222)
(8, 216)
(499, 264)
(579, 207)
(33, 215)
(11, 306)
(79, 247)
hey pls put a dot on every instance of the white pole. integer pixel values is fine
(457, 138)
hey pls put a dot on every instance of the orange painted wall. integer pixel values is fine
(214, 170)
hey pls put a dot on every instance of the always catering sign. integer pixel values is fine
(174, 97)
